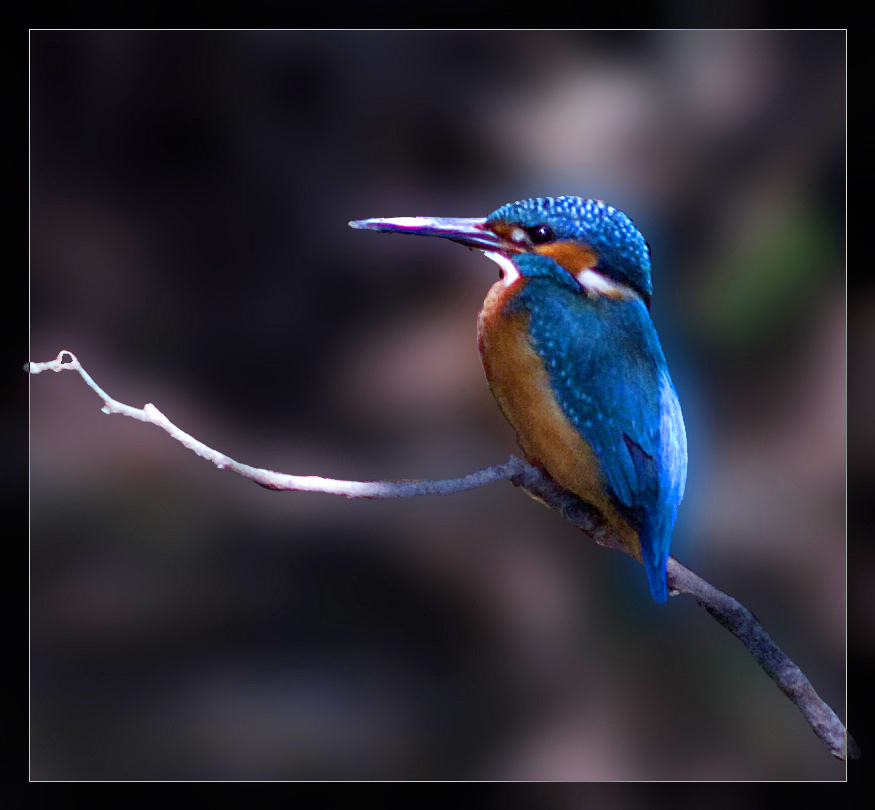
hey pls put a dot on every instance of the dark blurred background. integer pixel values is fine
(190, 194)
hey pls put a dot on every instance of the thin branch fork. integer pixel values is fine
(727, 611)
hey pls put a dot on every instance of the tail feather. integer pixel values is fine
(654, 567)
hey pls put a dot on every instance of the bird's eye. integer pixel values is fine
(541, 234)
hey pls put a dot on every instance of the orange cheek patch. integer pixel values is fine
(514, 237)
(503, 229)
(570, 256)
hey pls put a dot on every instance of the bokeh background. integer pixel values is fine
(189, 200)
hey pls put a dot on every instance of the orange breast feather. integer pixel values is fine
(521, 386)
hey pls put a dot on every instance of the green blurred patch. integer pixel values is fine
(771, 276)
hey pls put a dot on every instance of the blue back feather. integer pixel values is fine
(607, 370)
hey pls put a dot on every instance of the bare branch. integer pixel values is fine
(726, 610)
(736, 618)
(282, 481)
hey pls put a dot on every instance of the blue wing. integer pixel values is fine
(610, 378)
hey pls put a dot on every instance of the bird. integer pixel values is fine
(574, 361)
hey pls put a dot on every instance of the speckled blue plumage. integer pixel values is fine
(609, 377)
(622, 250)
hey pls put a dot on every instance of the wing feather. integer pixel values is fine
(610, 378)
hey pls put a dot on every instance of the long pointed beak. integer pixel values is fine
(473, 232)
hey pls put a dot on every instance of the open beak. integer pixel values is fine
(471, 232)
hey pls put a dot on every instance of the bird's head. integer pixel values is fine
(593, 242)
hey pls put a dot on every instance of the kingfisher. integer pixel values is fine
(574, 362)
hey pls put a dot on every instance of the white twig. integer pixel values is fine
(282, 481)
(726, 610)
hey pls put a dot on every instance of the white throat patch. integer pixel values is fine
(509, 272)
